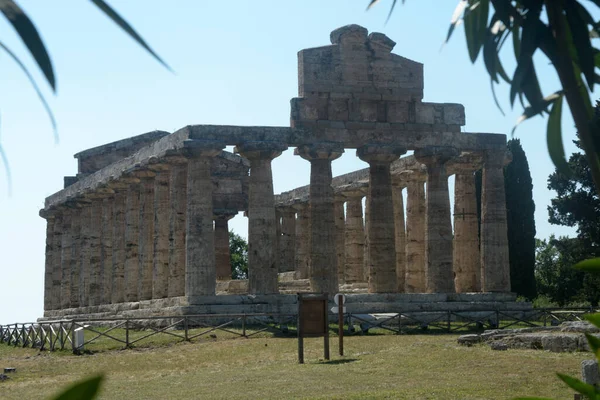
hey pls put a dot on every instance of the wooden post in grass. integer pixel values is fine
(312, 321)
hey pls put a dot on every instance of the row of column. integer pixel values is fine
(428, 257)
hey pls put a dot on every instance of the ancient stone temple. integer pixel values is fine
(142, 229)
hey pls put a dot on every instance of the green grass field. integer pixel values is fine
(374, 367)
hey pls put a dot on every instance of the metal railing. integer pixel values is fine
(129, 332)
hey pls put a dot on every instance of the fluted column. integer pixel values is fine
(160, 259)
(200, 270)
(74, 269)
(66, 255)
(49, 261)
(340, 237)
(400, 229)
(287, 241)
(146, 231)
(415, 234)
(438, 234)
(177, 218)
(381, 228)
(96, 277)
(466, 264)
(118, 240)
(57, 259)
(263, 258)
(107, 249)
(222, 256)
(278, 242)
(132, 238)
(302, 263)
(323, 274)
(494, 240)
(84, 255)
(366, 256)
(355, 239)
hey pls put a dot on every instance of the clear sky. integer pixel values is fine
(235, 64)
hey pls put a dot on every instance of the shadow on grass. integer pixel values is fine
(340, 361)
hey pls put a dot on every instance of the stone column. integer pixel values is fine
(49, 261)
(366, 257)
(302, 240)
(495, 269)
(467, 270)
(118, 251)
(263, 258)
(278, 244)
(340, 236)
(381, 229)
(177, 217)
(415, 234)
(132, 237)
(222, 256)
(287, 241)
(323, 274)
(400, 229)
(84, 254)
(57, 259)
(74, 269)
(66, 254)
(96, 276)
(200, 270)
(355, 239)
(438, 234)
(146, 230)
(160, 259)
(107, 249)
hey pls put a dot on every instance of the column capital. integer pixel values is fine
(202, 148)
(320, 151)
(300, 207)
(260, 150)
(143, 173)
(355, 190)
(412, 176)
(435, 155)
(379, 153)
(223, 216)
(285, 210)
(496, 158)
(467, 162)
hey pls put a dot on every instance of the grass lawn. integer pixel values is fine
(374, 367)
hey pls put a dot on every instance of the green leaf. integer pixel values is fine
(516, 36)
(35, 87)
(117, 19)
(554, 138)
(578, 386)
(30, 36)
(593, 319)
(456, 17)
(581, 41)
(532, 111)
(475, 19)
(84, 390)
(594, 343)
(591, 265)
(496, 97)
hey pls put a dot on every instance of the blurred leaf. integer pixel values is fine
(591, 265)
(475, 19)
(30, 36)
(35, 87)
(581, 40)
(456, 17)
(578, 386)
(496, 97)
(516, 36)
(594, 343)
(554, 138)
(532, 111)
(84, 390)
(594, 319)
(117, 19)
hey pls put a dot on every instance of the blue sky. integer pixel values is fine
(235, 64)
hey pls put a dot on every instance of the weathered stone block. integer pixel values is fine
(589, 372)
(424, 113)
(338, 109)
(454, 114)
(397, 111)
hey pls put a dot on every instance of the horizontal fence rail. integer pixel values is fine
(79, 334)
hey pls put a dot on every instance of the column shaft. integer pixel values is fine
(118, 253)
(400, 238)
(467, 270)
(107, 249)
(96, 274)
(132, 237)
(84, 256)
(415, 237)
(355, 241)
(494, 240)
(49, 262)
(57, 261)
(340, 238)
(146, 241)
(222, 257)
(366, 256)
(302, 242)
(66, 254)
(177, 217)
(288, 241)
(160, 259)
(74, 269)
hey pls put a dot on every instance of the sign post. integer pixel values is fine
(312, 321)
(341, 323)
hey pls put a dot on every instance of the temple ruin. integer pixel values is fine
(142, 229)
